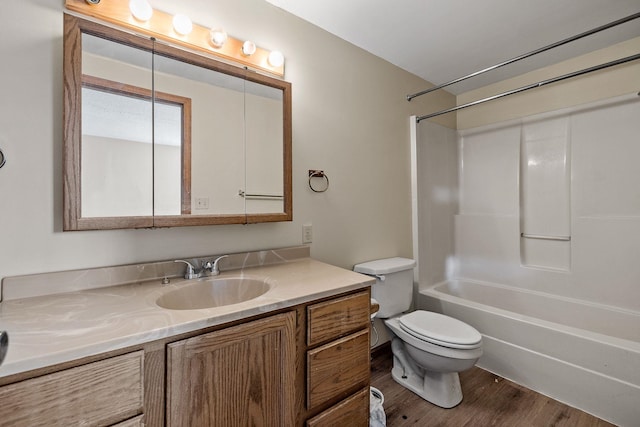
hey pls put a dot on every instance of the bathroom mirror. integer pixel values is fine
(156, 136)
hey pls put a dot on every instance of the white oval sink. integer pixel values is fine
(214, 292)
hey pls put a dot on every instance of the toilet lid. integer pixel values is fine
(440, 329)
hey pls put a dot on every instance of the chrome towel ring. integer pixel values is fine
(318, 174)
(3, 159)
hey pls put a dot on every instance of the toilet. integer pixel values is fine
(429, 349)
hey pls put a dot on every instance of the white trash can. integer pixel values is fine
(377, 417)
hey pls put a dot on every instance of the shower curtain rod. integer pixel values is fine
(527, 55)
(533, 86)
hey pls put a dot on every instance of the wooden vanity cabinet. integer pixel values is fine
(255, 373)
(306, 366)
(338, 361)
(237, 376)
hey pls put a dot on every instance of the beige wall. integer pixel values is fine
(350, 118)
(607, 83)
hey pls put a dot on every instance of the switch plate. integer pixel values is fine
(202, 203)
(307, 233)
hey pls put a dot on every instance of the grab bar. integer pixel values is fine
(259, 196)
(542, 237)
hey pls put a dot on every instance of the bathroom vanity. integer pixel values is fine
(296, 355)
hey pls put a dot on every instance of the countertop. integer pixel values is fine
(51, 329)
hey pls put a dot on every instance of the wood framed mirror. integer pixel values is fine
(156, 136)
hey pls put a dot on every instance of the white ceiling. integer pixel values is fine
(440, 40)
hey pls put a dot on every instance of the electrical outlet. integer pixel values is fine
(307, 233)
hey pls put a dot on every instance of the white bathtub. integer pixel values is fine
(584, 354)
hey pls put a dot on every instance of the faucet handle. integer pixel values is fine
(191, 270)
(215, 270)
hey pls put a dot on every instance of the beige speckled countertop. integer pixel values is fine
(50, 329)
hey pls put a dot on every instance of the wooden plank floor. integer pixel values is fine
(488, 400)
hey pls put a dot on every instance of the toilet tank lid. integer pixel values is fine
(385, 266)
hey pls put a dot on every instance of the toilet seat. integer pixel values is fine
(441, 330)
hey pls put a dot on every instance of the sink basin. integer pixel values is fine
(214, 292)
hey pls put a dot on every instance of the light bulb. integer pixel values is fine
(276, 58)
(218, 37)
(140, 9)
(248, 48)
(182, 24)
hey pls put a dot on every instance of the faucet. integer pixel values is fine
(192, 272)
(214, 267)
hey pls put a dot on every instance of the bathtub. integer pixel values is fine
(584, 354)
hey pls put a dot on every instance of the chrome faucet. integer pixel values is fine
(214, 267)
(192, 272)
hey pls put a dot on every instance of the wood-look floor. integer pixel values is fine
(488, 400)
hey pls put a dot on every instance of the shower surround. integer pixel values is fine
(539, 211)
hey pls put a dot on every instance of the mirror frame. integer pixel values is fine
(74, 27)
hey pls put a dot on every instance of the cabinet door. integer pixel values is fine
(239, 376)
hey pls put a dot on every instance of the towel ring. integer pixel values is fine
(3, 159)
(318, 174)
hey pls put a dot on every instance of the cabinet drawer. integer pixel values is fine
(133, 422)
(99, 393)
(335, 369)
(332, 319)
(352, 412)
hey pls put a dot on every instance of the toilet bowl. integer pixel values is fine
(429, 366)
(429, 349)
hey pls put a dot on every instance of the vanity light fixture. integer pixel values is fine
(276, 58)
(182, 24)
(142, 18)
(218, 37)
(248, 48)
(141, 10)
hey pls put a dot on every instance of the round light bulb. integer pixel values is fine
(218, 37)
(140, 9)
(248, 48)
(276, 58)
(182, 24)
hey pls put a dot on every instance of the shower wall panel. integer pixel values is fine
(545, 191)
(437, 155)
(574, 172)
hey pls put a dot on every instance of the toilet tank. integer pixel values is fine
(394, 283)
